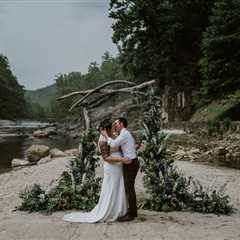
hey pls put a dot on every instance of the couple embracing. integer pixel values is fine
(117, 200)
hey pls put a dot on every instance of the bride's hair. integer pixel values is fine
(105, 124)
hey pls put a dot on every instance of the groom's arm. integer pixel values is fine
(118, 142)
(104, 149)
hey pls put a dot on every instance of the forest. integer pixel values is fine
(190, 44)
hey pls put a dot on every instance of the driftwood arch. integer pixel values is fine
(93, 98)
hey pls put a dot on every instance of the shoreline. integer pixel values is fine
(148, 225)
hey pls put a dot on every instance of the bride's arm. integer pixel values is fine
(104, 149)
(117, 159)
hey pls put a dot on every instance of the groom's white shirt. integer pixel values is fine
(126, 141)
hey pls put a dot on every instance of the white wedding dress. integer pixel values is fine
(112, 202)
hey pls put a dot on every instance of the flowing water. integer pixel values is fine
(16, 137)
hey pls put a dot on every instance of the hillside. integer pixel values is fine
(42, 96)
(228, 107)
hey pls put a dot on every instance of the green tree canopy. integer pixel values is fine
(109, 69)
(221, 51)
(12, 102)
(160, 38)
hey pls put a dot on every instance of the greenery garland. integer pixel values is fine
(167, 188)
(77, 188)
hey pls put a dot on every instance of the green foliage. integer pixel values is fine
(12, 102)
(34, 110)
(218, 128)
(41, 103)
(77, 188)
(213, 127)
(220, 46)
(226, 124)
(33, 198)
(160, 39)
(110, 69)
(167, 188)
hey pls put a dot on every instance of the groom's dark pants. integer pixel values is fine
(129, 175)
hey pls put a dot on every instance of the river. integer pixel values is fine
(16, 137)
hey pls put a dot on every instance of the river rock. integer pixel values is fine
(186, 154)
(194, 151)
(36, 152)
(39, 133)
(46, 132)
(56, 153)
(44, 160)
(71, 152)
(20, 162)
(180, 154)
(50, 131)
(226, 152)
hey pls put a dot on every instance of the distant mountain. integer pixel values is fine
(43, 96)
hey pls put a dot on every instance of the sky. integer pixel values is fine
(43, 38)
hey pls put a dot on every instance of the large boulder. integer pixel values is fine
(71, 152)
(20, 162)
(44, 160)
(54, 153)
(36, 152)
(39, 134)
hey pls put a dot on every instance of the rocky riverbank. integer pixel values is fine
(218, 151)
(17, 136)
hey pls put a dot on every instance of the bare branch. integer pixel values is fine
(100, 100)
(87, 118)
(99, 87)
(130, 90)
(72, 94)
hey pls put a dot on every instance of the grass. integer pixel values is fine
(216, 110)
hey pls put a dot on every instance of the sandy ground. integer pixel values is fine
(149, 225)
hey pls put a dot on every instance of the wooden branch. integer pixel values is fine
(87, 118)
(95, 89)
(131, 90)
(137, 87)
(105, 96)
(72, 94)
(99, 100)
(124, 90)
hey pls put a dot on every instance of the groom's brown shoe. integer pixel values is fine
(125, 218)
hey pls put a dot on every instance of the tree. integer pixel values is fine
(160, 39)
(12, 102)
(109, 69)
(220, 46)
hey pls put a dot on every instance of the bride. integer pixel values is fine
(112, 203)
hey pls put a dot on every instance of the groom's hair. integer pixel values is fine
(123, 121)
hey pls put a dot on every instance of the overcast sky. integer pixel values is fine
(43, 38)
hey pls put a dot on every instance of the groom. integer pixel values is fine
(126, 141)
